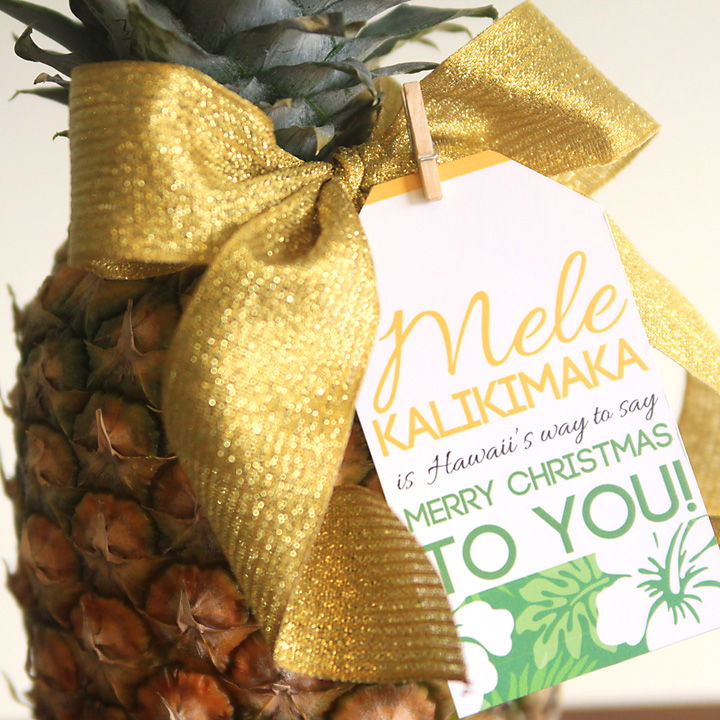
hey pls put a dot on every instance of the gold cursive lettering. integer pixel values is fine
(596, 318)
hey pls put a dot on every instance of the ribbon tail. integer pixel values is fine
(673, 325)
(368, 607)
(676, 328)
(700, 428)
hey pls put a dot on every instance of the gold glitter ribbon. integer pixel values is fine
(170, 169)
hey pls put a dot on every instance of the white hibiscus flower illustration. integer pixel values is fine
(668, 589)
(483, 631)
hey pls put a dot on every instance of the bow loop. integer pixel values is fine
(181, 165)
(522, 89)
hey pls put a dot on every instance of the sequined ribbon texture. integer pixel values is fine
(171, 169)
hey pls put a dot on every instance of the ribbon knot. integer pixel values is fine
(171, 169)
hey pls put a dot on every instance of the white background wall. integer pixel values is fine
(664, 54)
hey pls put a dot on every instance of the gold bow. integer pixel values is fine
(170, 169)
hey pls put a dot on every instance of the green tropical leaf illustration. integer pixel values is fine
(562, 609)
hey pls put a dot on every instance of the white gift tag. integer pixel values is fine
(520, 430)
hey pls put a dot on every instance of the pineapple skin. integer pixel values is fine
(130, 606)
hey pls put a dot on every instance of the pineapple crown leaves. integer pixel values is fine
(311, 65)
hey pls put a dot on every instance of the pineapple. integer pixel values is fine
(130, 606)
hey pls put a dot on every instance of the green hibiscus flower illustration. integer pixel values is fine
(668, 589)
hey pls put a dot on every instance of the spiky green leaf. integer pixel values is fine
(56, 94)
(303, 61)
(80, 9)
(291, 113)
(212, 24)
(404, 68)
(56, 79)
(325, 24)
(113, 15)
(254, 90)
(308, 78)
(57, 27)
(330, 104)
(353, 10)
(26, 49)
(304, 142)
(156, 36)
(408, 20)
(263, 48)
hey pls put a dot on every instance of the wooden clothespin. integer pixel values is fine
(422, 143)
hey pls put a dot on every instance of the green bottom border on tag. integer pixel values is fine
(555, 615)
